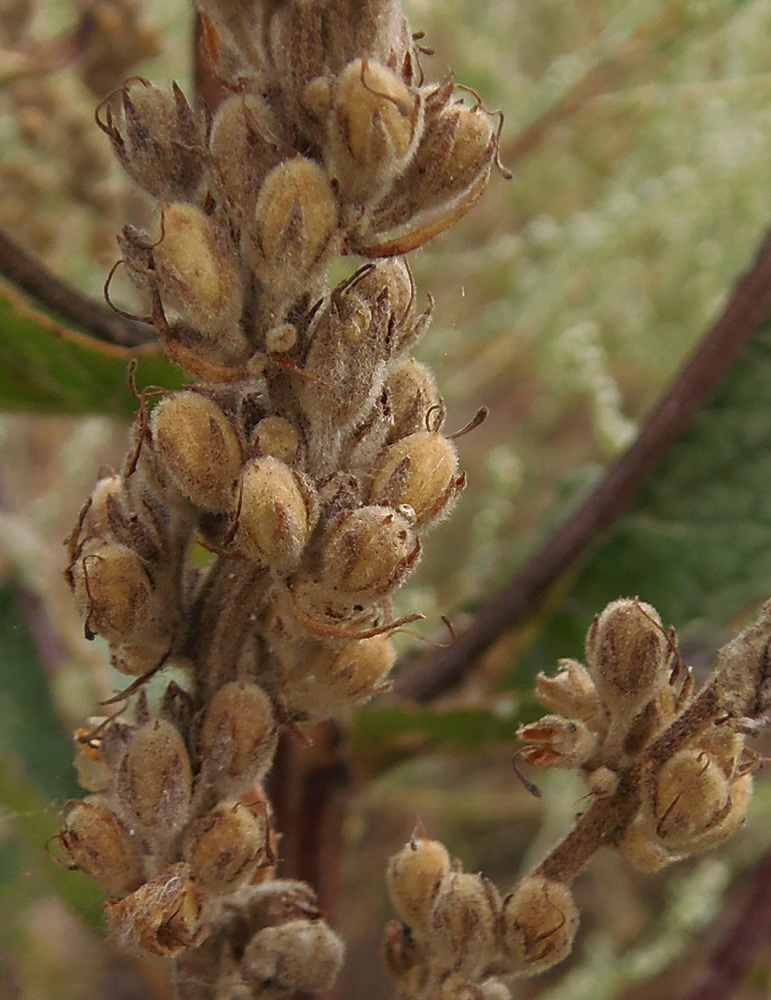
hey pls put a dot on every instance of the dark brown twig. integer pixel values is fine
(66, 301)
(426, 676)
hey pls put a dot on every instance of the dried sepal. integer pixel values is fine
(571, 692)
(224, 847)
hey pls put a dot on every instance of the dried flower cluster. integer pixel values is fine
(308, 461)
(669, 776)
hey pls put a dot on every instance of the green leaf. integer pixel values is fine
(697, 544)
(383, 736)
(45, 367)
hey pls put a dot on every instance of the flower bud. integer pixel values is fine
(273, 523)
(420, 471)
(412, 393)
(413, 877)
(570, 692)
(368, 551)
(163, 916)
(628, 653)
(198, 277)
(300, 955)
(112, 589)
(538, 924)
(225, 846)
(155, 780)
(197, 449)
(557, 742)
(691, 797)
(94, 841)
(296, 217)
(463, 923)
(238, 736)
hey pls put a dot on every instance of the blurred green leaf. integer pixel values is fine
(383, 736)
(697, 544)
(46, 367)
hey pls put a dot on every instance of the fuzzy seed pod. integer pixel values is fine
(538, 924)
(198, 278)
(460, 986)
(276, 437)
(463, 923)
(557, 742)
(628, 653)
(225, 847)
(570, 692)
(691, 797)
(300, 955)
(419, 471)
(329, 678)
(412, 393)
(368, 552)
(113, 591)
(238, 736)
(94, 841)
(163, 916)
(275, 519)
(642, 849)
(362, 666)
(377, 122)
(296, 218)
(197, 449)
(740, 793)
(413, 877)
(155, 779)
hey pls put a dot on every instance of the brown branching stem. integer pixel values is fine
(425, 677)
(66, 301)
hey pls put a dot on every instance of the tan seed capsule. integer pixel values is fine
(273, 524)
(368, 552)
(643, 850)
(155, 779)
(197, 449)
(740, 793)
(420, 471)
(238, 736)
(94, 841)
(300, 955)
(412, 393)
(413, 877)
(296, 216)
(278, 438)
(463, 923)
(538, 924)
(112, 589)
(225, 847)
(361, 667)
(691, 797)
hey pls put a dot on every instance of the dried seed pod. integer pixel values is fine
(197, 449)
(156, 139)
(296, 218)
(419, 471)
(163, 917)
(276, 515)
(238, 736)
(412, 393)
(301, 955)
(571, 692)
(246, 143)
(463, 923)
(155, 779)
(642, 849)
(413, 876)
(367, 552)
(94, 841)
(538, 924)
(460, 986)
(742, 679)
(112, 589)
(277, 438)
(376, 123)
(690, 797)
(224, 847)
(557, 742)
(740, 793)
(360, 668)
(628, 654)
(198, 277)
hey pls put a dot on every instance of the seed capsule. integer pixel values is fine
(112, 589)
(691, 798)
(278, 438)
(463, 923)
(94, 841)
(197, 449)
(538, 924)
(155, 779)
(238, 736)
(413, 877)
(412, 393)
(420, 471)
(368, 552)
(300, 955)
(225, 847)
(273, 523)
